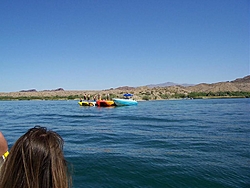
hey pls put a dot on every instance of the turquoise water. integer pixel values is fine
(172, 143)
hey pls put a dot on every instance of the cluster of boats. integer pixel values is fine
(126, 101)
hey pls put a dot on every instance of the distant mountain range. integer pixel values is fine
(239, 84)
(238, 81)
(34, 90)
(166, 84)
(150, 92)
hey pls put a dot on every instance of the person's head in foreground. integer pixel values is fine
(36, 160)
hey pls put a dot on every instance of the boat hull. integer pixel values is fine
(85, 103)
(124, 102)
(105, 103)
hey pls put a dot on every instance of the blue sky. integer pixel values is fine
(102, 44)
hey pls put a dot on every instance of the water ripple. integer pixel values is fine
(179, 143)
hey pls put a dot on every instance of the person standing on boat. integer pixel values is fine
(99, 97)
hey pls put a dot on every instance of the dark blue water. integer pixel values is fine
(172, 143)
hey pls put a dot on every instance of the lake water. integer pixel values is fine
(171, 143)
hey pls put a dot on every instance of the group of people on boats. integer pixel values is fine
(85, 97)
(95, 97)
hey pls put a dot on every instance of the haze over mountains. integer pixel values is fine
(166, 84)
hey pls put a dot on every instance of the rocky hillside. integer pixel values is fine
(240, 84)
(226, 89)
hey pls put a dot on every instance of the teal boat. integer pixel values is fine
(124, 102)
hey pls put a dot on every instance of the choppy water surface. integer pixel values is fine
(178, 143)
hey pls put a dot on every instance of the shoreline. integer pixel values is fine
(76, 95)
(239, 88)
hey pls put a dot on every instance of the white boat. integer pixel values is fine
(124, 102)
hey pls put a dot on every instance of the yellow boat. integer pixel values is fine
(85, 103)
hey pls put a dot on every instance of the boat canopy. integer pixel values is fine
(128, 95)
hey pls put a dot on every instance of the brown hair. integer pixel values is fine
(36, 160)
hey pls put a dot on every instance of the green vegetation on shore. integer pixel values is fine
(142, 96)
(57, 97)
(221, 94)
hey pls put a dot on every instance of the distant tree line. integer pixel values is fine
(57, 97)
(228, 94)
(143, 96)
